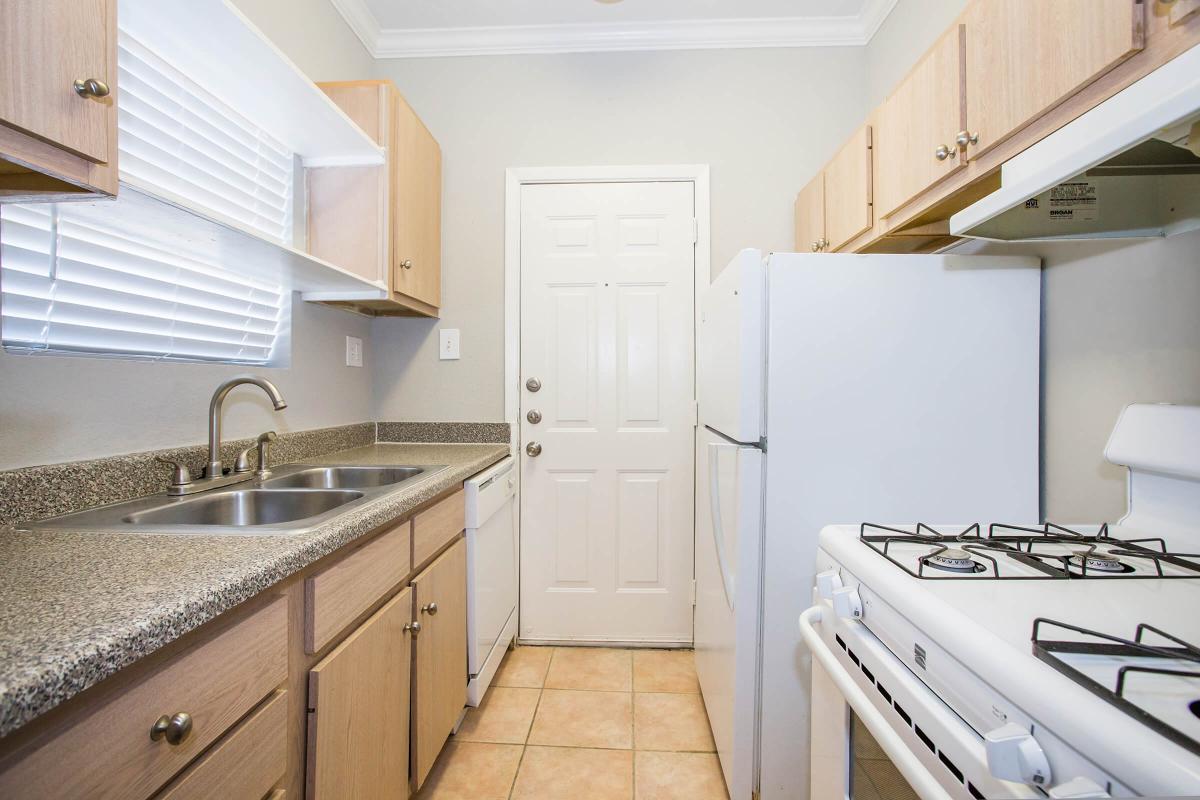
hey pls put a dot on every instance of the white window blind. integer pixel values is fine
(72, 284)
(181, 142)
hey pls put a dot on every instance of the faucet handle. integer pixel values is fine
(180, 474)
(242, 464)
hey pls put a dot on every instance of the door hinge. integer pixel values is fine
(693, 592)
(755, 795)
(695, 230)
(695, 413)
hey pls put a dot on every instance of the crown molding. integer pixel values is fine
(708, 34)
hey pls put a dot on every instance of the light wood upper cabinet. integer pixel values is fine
(810, 216)
(848, 191)
(384, 223)
(417, 206)
(916, 125)
(1023, 58)
(440, 597)
(358, 724)
(55, 140)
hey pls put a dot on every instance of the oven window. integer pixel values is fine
(873, 776)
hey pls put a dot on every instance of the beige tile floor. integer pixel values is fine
(584, 723)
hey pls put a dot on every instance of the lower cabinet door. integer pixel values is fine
(440, 594)
(358, 699)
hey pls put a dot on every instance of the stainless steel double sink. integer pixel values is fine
(294, 499)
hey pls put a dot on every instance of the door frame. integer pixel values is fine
(514, 179)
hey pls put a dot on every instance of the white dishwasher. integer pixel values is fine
(491, 573)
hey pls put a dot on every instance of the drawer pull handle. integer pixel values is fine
(175, 729)
(429, 608)
(91, 87)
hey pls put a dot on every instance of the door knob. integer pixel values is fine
(429, 608)
(533, 384)
(822, 244)
(406, 263)
(91, 87)
(415, 627)
(943, 152)
(533, 449)
(814, 247)
(965, 138)
(534, 416)
(173, 728)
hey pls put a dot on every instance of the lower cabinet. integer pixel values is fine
(440, 685)
(358, 720)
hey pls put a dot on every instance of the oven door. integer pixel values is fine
(878, 732)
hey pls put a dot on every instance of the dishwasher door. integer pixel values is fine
(491, 573)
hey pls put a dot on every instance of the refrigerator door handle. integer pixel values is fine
(718, 531)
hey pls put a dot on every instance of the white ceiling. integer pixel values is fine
(423, 28)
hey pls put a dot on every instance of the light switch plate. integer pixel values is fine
(448, 344)
(354, 351)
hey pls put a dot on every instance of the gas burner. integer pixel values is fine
(952, 559)
(1090, 561)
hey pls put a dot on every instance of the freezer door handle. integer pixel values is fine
(714, 505)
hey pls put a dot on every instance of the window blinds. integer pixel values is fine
(179, 141)
(71, 285)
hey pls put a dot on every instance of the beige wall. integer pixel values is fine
(763, 120)
(55, 408)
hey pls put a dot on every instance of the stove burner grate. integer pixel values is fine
(948, 559)
(1178, 650)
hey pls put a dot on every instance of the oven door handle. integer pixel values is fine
(921, 780)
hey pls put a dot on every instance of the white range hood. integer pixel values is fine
(1128, 168)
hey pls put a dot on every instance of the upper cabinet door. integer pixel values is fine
(810, 216)
(848, 190)
(417, 209)
(1023, 58)
(45, 47)
(916, 126)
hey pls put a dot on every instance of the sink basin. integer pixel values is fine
(245, 507)
(344, 477)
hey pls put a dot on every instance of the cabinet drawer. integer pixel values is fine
(432, 529)
(106, 750)
(245, 764)
(337, 595)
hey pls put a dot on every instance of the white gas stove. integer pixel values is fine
(1022, 661)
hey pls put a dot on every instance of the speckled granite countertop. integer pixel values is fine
(76, 607)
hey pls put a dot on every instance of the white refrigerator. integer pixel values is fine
(841, 389)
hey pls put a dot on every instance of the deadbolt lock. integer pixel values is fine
(533, 384)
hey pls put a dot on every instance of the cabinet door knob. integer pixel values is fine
(174, 729)
(943, 152)
(814, 247)
(415, 627)
(965, 138)
(91, 87)
(821, 245)
(406, 263)
(429, 608)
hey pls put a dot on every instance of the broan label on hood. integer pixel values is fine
(1074, 201)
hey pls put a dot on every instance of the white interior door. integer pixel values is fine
(607, 329)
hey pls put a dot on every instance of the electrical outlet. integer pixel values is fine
(448, 344)
(354, 353)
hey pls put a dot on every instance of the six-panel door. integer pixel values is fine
(607, 331)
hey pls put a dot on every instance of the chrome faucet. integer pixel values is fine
(214, 476)
(213, 470)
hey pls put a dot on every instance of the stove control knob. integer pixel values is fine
(1014, 755)
(1078, 788)
(828, 582)
(846, 603)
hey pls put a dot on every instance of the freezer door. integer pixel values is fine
(732, 349)
(729, 484)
